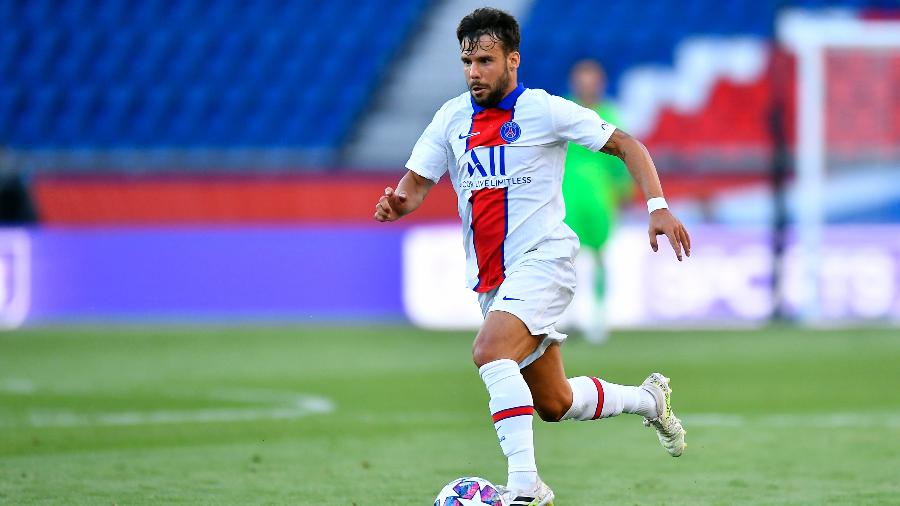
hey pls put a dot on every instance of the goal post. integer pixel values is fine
(815, 39)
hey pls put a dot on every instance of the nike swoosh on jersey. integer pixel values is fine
(507, 297)
(473, 134)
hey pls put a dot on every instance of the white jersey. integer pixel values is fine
(506, 164)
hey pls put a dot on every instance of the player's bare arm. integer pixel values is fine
(637, 159)
(410, 192)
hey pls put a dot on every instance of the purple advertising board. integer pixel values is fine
(395, 274)
(727, 281)
(855, 276)
(278, 273)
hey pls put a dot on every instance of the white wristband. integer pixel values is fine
(656, 203)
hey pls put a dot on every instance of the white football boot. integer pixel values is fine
(668, 426)
(541, 495)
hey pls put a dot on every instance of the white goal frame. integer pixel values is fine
(808, 36)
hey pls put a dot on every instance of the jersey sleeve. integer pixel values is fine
(574, 123)
(430, 156)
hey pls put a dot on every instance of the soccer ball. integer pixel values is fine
(471, 491)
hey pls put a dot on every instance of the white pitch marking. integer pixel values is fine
(304, 406)
(17, 386)
(884, 419)
(888, 419)
(269, 405)
(273, 405)
(813, 420)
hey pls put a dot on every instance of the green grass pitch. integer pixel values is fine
(388, 415)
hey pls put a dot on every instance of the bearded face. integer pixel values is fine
(487, 70)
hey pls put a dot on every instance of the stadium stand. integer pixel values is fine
(160, 74)
(555, 38)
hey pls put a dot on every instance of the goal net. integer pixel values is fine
(847, 154)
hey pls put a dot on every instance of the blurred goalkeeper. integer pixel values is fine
(505, 146)
(594, 187)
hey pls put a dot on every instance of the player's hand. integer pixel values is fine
(662, 221)
(389, 205)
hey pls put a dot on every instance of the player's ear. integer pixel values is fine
(513, 60)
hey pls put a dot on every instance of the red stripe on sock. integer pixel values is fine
(503, 414)
(599, 398)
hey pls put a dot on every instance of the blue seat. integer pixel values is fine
(35, 125)
(11, 105)
(10, 44)
(112, 124)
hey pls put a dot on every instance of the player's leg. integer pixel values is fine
(501, 344)
(557, 398)
(503, 336)
(598, 330)
(546, 377)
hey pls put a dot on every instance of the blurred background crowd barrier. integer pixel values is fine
(220, 160)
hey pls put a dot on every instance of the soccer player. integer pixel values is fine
(505, 146)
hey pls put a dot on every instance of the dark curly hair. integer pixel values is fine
(499, 25)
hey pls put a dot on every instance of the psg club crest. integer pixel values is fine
(510, 131)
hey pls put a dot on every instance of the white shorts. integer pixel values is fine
(537, 291)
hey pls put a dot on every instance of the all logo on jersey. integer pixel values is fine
(486, 168)
(510, 131)
(494, 163)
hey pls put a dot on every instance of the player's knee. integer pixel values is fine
(483, 352)
(487, 349)
(551, 411)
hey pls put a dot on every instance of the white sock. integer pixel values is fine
(594, 398)
(512, 410)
